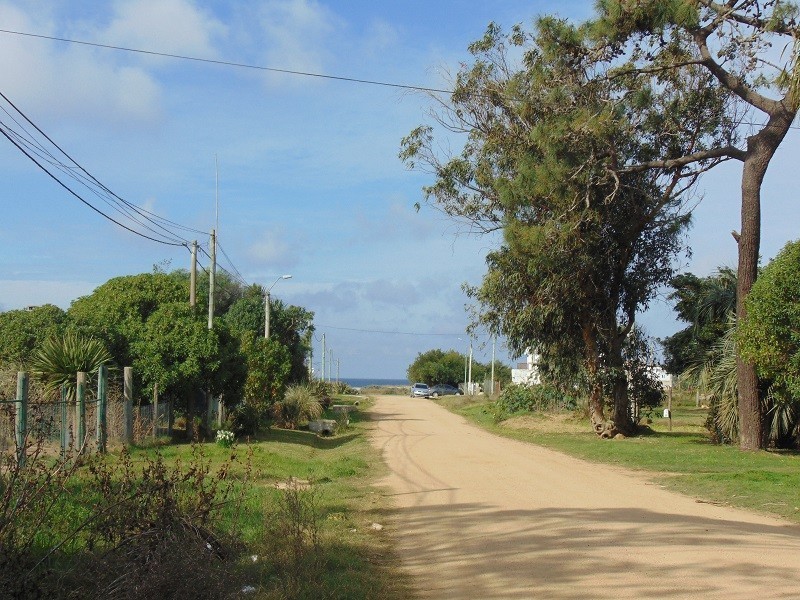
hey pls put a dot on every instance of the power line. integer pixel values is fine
(78, 196)
(227, 63)
(392, 332)
(26, 142)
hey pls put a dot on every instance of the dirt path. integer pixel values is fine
(481, 517)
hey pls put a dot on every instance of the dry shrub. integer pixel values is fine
(293, 532)
(115, 530)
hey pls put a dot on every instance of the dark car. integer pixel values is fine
(420, 390)
(442, 389)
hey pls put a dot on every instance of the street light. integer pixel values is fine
(266, 304)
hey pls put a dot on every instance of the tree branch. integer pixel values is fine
(674, 163)
(729, 80)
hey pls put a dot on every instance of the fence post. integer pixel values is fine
(102, 386)
(155, 410)
(21, 421)
(80, 411)
(64, 421)
(128, 393)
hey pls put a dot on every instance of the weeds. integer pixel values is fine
(293, 531)
(108, 528)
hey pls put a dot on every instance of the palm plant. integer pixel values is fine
(59, 359)
(717, 375)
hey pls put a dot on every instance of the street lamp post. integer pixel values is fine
(266, 304)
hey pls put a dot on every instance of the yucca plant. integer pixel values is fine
(298, 404)
(59, 359)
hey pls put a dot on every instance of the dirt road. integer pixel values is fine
(483, 517)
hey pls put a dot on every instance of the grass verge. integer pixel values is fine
(299, 523)
(682, 460)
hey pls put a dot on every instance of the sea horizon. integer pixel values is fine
(359, 382)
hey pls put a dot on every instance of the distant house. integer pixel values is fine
(664, 378)
(527, 372)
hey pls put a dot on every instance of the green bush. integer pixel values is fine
(541, 397)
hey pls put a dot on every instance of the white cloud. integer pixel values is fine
(272, 250)
(51, 78)
(380, 36)
(295, 33)
(171, 26)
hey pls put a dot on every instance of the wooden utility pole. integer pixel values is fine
(102, 394)
(21, 420)
(193, 277)
(80, 411)
(212, 270)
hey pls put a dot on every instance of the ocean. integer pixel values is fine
(366, 382)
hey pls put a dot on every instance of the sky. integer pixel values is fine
(301, 174)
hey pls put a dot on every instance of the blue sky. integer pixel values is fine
(309, 179)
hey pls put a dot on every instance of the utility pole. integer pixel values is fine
(494, 340)
(266, 303)
(337, 370)
(471, 391)
(330, 364)
(193, 277)
(323, 358)
(211, 278)
(266, 315)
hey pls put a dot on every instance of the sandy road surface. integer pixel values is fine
(485, 517)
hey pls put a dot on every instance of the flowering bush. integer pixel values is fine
(225, 438)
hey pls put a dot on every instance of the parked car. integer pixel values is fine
(442, 389)
(420, 390)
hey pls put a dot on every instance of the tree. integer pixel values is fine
(176, 350)
(269, 366)
(585, 243)
(23, 331)
(735, 43)
(438, 366)
(117, 311)
(706, 304)
(769, 337)
(290, 325)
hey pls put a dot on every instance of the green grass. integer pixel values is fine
(683, 460)
(354, 560)
(357, 561)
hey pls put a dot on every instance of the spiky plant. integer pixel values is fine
(717, 377)
(59, 359)
(298, 404)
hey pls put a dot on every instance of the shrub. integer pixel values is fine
(534, 398)
(298, 404)
(103, 528)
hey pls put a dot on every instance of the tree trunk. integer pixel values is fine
(623, 422)
(760, 150)
(602, 427)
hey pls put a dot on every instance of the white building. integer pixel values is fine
(527, 372)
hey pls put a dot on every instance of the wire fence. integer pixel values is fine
(82, 422)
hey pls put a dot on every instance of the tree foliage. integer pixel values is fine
(769, 336)
(451, 368)
(438, 366)
(23, 331)
(706, 304)
(747, 52)
(586, 241)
